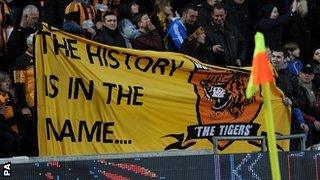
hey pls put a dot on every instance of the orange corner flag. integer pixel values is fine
(261, 74)
(261, 71)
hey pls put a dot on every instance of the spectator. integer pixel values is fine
(127, 28)
(16, 45)
(194, 45)
(9, 132)
(162, 17)
(24, 80)
(316, 61)
(205, 11)
(110, 34)
(297, 30)
(293, 62)
(148, 38)
(177, 31)
(225, 43)
(271, 25)
(293, 92)
(310, 112)
(286, 81)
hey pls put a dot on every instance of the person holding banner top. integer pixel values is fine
(293, 92)
(194, 45)
(24, 79)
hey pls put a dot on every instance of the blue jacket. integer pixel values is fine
(176, 34)
(294, 66)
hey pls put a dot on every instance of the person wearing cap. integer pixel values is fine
(311, 110)
(226, 45)
(177, 30)
(194, 45)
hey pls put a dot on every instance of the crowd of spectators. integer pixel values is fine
(217, 32)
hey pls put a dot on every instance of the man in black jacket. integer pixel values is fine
(224, 42)
(16, 45)
(110, 34)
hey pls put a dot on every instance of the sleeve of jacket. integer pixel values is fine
(128, 30)
(72, 27)
(267, 24)
(298, 115)
(293, 28)
(309, 118)
(177, 34)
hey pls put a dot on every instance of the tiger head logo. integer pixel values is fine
(217, 93)
(221, 98)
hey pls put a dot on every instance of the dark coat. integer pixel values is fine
(240, 17)
(232, 42)
(16, 45)
(204, 17)
(297, 30)
(273, 29)
(313, 19)
(110, 37)
(288, 83)
(148, 41)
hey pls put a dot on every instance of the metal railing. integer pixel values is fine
(263, 140)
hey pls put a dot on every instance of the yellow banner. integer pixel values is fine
(97, 99)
